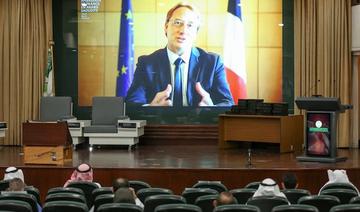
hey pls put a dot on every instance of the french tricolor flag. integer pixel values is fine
(234, 51)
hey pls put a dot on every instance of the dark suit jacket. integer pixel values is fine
(152, 75)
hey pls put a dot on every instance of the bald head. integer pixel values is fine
(120, 183)
(225, 198)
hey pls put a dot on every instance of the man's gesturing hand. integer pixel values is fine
(205, 96)
(162, 98)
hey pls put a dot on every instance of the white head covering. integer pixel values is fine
(13, 172)
(268, 187)
(338, 176)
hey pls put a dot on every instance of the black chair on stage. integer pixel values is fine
(20, 196)
(177, 208)
(242, 195)
(65, 197)
(206, 202)
(293, 195)
(237, 208)
(123, 207)
(65, 206)
(87, 188)
(138, 184)
(346, 208)
(216, 185)
(344, 195)
(338, 185)
(65, 190)
(295, 208)
(322, 202)
(355, 200)
(253, 185)
(15, 205)
(267, 203)
(99, 191)
(33, 191)
(4, 184)
(103, 199)
(153, 201)
(191, 194)
(142, 194)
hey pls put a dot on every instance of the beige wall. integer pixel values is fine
(99, 35)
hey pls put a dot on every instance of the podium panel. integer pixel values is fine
(49, 155)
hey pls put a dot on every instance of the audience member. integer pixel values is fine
(224, 198)
(13, 172)
(83, 172)
(268, 187)
(124, 195)
(289, 181)
(338, 176)
(124, 183)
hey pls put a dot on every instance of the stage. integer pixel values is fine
(180, 166)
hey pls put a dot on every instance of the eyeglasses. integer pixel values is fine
(179, 23)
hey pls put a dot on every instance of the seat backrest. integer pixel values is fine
(346, 208)
(123, 207)
(355, 200)
(87, 188)
(242, 195)
(142, 194)
(206, 202)
(267, 203)
(107, 110)
(99, 191)
(338, 185)
(344, 195)
(65, 206)
(15, 205)
(177, 208)
(103, 199)
(191, 194)
(295, 208)
(65, 190)
(65, 197)
(138, 184)
(254, 185)
(55, 108)
(236, 208)
(322, 202)
(153, 201)
(33, 191)
(22, 197)
(293, 195)
(216, 185)
(4, 184)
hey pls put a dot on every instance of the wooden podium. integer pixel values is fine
(46, 143)
(287, 131)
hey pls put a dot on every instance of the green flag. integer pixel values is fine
(49, 75)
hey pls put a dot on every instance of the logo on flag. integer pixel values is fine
(125, 66)
(48, 89)
(234, 51)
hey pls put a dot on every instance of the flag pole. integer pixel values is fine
(52, 44)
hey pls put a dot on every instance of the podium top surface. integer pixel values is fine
(320, 103)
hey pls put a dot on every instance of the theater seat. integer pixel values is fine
(15, 205)
(65, 206)
(138, 184)
(65, 190)
(242, 195)
(33, 191)
(293, 195)
(344, 195)
(177, 208)
(346, 208)
(100, 191)
(142, 194)
(191, 194)
(65, 197)
(323, 202)
(216, 185)
(4, 184)
(103, 199)
(253, 185)
(338, 185)
(266, 203)
(295, 208)
(21, 197)
(206, 202)
(116, 207)
(236, 208)
(87, 188)
(153, 201)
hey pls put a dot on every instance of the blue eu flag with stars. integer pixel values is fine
(125, 66)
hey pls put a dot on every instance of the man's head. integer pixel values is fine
(224, 198)
(120, 183)
(13, 172)
(124, 195)
(181, 26)
(289, 181)
(16, 184)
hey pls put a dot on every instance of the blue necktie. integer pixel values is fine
(177, 100)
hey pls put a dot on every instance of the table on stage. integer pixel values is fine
(288, 131)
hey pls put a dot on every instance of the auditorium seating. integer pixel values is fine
(266, 203)
(138, 184)
(236, 208)
(242, 195)
(65, 206)
(65, 190)
(99, 191)
(295, 208)
(65, 197)
(355, 200)
(4, 184)
(344, 195)
(216, 185)
(21, 197)
(346, 208)
(15, 205)
(191, 194)
(103, 199)
(153, 201)
(142, 194)
(177, 208)
(206, 202)
(322, 202)
(87, 188)
(293, 195)
(253, 185)
(338, 185)
(123, 207)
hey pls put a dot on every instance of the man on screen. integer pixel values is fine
(180, 74)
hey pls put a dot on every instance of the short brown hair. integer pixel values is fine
(181, 4)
